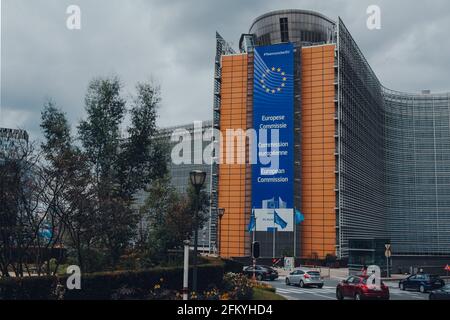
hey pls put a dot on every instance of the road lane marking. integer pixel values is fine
(306, 291)
(304, 294)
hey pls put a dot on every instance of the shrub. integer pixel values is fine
(108, 285)
(29, 288)
(237, 286)
(232, 266)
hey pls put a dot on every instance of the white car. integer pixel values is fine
(304, 278)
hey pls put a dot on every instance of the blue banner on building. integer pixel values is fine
(273, 108)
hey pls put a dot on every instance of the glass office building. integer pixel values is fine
(179, 176)
(370, 164)
(417, 128)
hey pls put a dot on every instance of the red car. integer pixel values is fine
(356, 287)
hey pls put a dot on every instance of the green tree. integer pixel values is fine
(69, 190)
(93, 181)
(20, 196)
(169, 218)
(161, 201)
(121, 165)
(143, 155)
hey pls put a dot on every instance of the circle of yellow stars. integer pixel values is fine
(264, 83)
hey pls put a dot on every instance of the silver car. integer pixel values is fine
(304, 278)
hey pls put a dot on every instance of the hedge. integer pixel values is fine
(232, 266)
(101, 286)
(28, 288)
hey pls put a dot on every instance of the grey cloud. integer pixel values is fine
(173, 43)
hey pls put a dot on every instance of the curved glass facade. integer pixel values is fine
(417, 146)
(297, 26)
(361, 212)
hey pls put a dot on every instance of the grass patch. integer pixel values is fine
(262, 294)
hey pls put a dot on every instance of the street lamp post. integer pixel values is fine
(186, 270)
(220, 213)
(197, 178)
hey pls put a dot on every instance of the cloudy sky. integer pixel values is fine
(173, 43)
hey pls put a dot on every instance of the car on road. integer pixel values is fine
(440, 294)
(421, 282)
(304, 278)
(358, 288)
(261, 272)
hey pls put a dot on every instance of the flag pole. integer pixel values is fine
(254, 229)
(295, 239)
(253, 242)
(274, 231)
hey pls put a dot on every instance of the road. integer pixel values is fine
(328, 292)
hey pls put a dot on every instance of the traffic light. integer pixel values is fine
(255, 250)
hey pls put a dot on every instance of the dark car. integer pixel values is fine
(421, 282)
(356, 287)
(261, 272)
(441, 294)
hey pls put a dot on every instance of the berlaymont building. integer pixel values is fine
(365, 165)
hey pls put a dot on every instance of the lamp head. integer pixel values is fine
(197, 178)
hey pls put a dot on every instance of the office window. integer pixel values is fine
(284, 30)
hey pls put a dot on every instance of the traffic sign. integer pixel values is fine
(388, 252)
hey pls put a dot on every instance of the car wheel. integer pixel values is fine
(431, 297)
(402, 286)
(259, 277)
(422, 289)
(301, 284)
(320, 286)
(358, 296)
(288, 283)
(339, 295)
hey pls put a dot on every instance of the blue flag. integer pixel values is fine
(46, 232)
(279, 221)
(252, 223)
(299, 218)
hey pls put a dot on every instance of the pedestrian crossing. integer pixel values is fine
(329, 293)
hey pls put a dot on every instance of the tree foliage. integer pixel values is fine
(26, 214)
(80, 189)
(100, 176)
(170, 218)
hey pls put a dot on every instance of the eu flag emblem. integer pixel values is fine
(273, 80)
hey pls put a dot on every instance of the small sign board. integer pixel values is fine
(288, 263)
